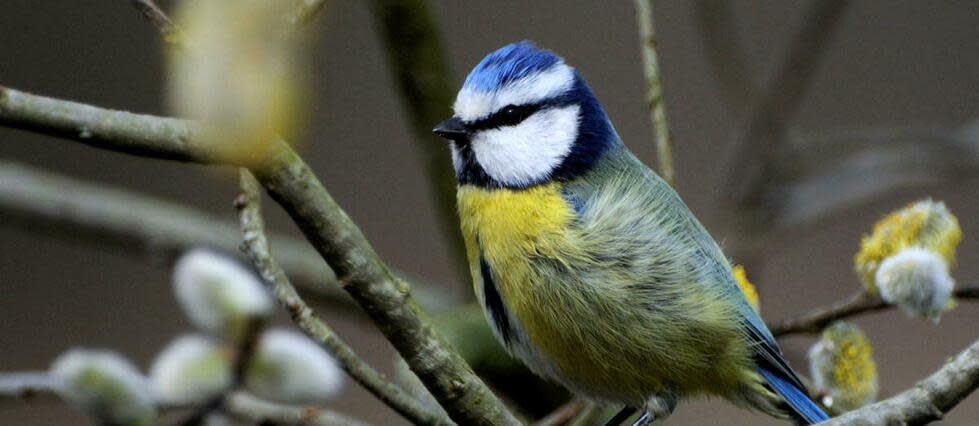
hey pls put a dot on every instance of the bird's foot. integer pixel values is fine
(620, 417)
(644, 419)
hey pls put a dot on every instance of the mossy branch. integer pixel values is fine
(860, 303)
(288, 180)
(927, 401)
(256, 246)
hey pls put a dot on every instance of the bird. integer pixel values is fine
(589, 267)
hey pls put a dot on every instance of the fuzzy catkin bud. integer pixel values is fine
(219, 294)
(917, 281)
(192, 368)
(239, 73)
(927, 224)
(288, 367)
(105, 385)
(844, 374)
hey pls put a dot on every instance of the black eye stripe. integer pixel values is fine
(507, 116)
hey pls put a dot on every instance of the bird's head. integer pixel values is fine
(522, 118)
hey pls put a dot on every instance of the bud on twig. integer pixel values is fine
(843, 371)
(105, 385)
(192, 368)
(290, 368)
(219, 294)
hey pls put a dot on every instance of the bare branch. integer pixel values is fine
(136, 134)
(863, 175)
(417, 61)
(766, 127)
(725, 54)
(860, 303)
(157, 230)
(170, 32)
(654, 90)
(26, 386)
(244, 406)
(564, 414)
(386, 298)
(304, 12)
(255, 245)
(927, 401)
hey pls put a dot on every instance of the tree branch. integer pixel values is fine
(564, 414)
(927, 401)
(860, 303)
(138, 225)
(26, 386)
(247, 407)
(157, 230)
(386, 298)
(305, 11)
(421, 71)
(757, 146)
(654, 90)
(31, 386)
(170, 32)
(725, 54)
(256, 247)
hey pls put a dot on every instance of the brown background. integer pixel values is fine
(891, 63)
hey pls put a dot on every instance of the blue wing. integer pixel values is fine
(776, 371)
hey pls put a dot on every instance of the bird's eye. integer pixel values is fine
(512, 115)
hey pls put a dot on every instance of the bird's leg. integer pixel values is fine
(620, 417)
(644, 419)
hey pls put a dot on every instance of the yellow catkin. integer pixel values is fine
(747, 287)
(926, 223)
(843, 369)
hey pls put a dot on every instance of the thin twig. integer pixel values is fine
(426, 87)
(139, 225)
(725, 54)
(654, 90)
(306, 11)
(564, 414)
(170, 32)
(255, 245)
(927, 401)
(26, 386)
(289, 180)
(239, 367)
(40, 386)
(860, 303)
(244, 406)
(158, 230)
(746, 186)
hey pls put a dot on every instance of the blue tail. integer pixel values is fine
(800, 402)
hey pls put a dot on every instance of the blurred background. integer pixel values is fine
(904, 71)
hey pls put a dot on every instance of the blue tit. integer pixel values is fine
(589, 267)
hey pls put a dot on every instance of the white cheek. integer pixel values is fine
(530, 151)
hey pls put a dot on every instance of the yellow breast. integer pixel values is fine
(510, 225)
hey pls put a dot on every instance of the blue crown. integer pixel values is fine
(508, 64)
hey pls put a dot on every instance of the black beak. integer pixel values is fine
(452, 129)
